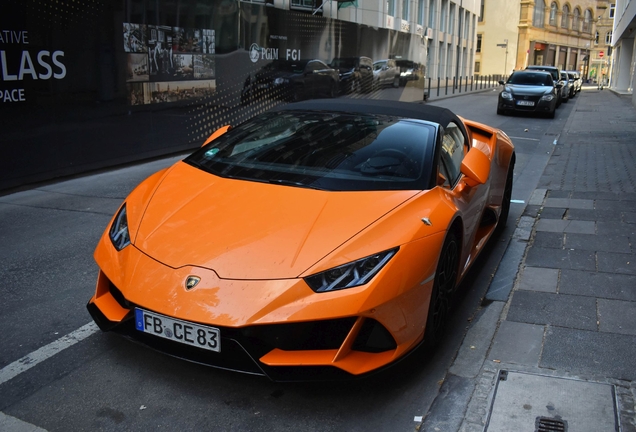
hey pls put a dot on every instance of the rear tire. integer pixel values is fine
(443, 291)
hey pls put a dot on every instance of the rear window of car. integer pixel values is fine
(329, 151)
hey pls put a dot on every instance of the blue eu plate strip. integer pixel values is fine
(139, 320)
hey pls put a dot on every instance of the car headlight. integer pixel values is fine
(118, 233)
(350, 275)
(279, 81)
(506, 95)
(547, 97)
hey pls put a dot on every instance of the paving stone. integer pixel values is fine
(552, 213)
(593, 215)
(554, 225)
(531, 211)
(616, 205)
(595, 195)
(591, 242)
(558, 194)
(597, 284)
(539, 279)
(569, 203)
(548, 240)
(590, 352)
(559, 258)
(537, 197)
(616, 228)
(617, 316)
(616, 263)
(555, 309)
(517, 343)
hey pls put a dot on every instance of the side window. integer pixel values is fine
(452, 154)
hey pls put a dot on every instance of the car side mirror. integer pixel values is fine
(501, 82)
(475, 167)
(217, 133)
(559, 85)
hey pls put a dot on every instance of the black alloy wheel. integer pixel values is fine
(443, 291)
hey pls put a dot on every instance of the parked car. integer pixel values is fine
(356, 74)
(529, 91)
(575, 79)
(292, 81)
(409, 71)
(322, 239)
(386, 72)
(556, 76)
(567, 86)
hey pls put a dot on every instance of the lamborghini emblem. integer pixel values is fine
(192, 281)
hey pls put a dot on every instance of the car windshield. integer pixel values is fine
(530, 78)
(344, 63)
(329, 151)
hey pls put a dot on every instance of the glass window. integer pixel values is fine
(565, 19)
(303, 3)
(431, 14)
(596, 36)
(451, 19)
(576, 20)
(539, 13)
(391, 7)
(612, 10)
(478, 47)
(477, 67)
(443, 16)
(587, 21)
(452, 154)
(481, 11)
(608, 38)
(553, 14)
(405, 10)
(420, 12)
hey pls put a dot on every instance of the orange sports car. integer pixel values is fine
(322, 238)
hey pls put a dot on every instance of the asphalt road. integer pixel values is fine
(47, 274)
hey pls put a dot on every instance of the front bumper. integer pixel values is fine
(538, 107)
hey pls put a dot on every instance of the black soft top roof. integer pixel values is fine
(413, 110)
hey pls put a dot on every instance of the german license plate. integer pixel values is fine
(525, 103)
(204, 337)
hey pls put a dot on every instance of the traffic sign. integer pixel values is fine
(601, 54)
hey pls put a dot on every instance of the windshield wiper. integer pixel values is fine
(293, 183)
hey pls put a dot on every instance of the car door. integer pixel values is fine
(470, 201)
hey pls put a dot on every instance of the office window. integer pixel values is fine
(481, 11)
(309, 4)
(596, 36)
(539, 13)
(477, 67)
(553, 14)
(420, 12)
(612, 9)
(608, 38)
(391, 7)
(565, 19)
(431, 14)
(451, 19)
(406, 13)
(443, 20)
(478, 47)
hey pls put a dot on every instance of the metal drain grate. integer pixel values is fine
(547, 424)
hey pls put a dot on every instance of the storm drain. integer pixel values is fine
(526, 402)
(545, 424)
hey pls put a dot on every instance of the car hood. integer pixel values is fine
(528, 90)
(248, 230)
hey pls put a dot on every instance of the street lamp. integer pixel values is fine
(505, 45)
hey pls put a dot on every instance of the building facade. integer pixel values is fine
(624, 48)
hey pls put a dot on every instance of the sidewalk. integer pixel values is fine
(560, 350)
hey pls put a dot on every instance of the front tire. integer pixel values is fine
(443, 291)
(396, 81)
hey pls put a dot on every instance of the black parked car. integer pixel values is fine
(556, 76)
(356, 74)
(292, 81)
(528, 91)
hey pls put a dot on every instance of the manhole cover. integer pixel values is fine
(526, 402)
